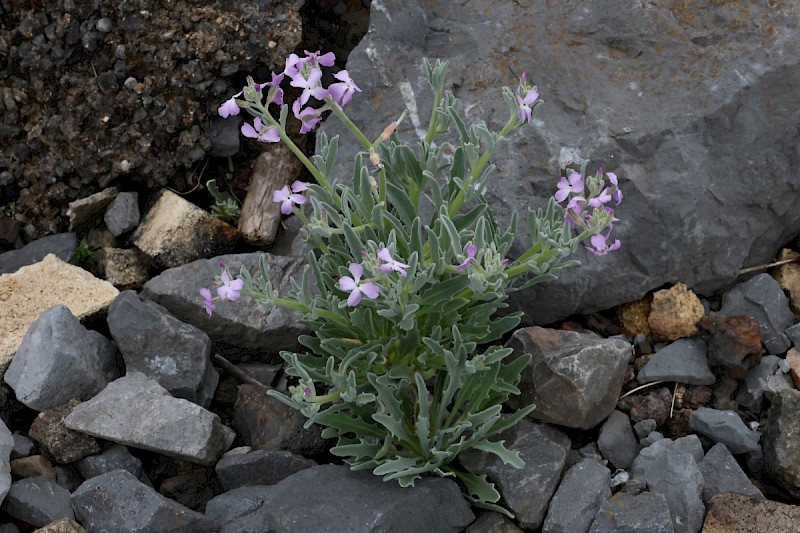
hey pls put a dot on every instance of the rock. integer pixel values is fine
(683, 360)
(261, 217)
(86, 209)
(33, 466)
(788, 277)
(725, 427)
(649, 57)
(526, 491)
(24, 298)
(6, 445)
(126, 269)
(192, 489)
(793, 359)
(781, 440)
(633, 513)
(633, 317)
(38, 501)
(767, 376)
(123, 214)
(762, 298)
(267, 423)
(115, 457)
(617, 442)
(242, 467)
(152, 341)
(174, 232)
(58, 441)
(244, 327)
(59, 360)
(653, 404)
(136, 411)
(322, 495)
(585, 487)
(117, 501)
(64, 525)
(643, 428)
(574, 379)
(671, 469)
(793, 332)
(224, 135)
(674, 313)
(721, 473)
(734, 344)
(493, 522)
(61, 245)
(735, 513)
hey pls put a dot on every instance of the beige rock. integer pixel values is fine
(793, 358)
(83, 210)
(735, 513)
(788, 277)
(674, 313)
(124, 268)
(633, 317)
(26, 293)
(33, 466)
(175, 232)
(63, 525)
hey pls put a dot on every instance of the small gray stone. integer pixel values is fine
(650, 439)
(23, 446)
(585, 487)
(135, 410)
(6, 445)
(670, 469)
(781, 442)
(155, 343)
(225, 136)
(38, 501)
(683, 360)
(643, 428)
(59, 360)
(526, 491)
(117, 501)
(647, 512)
(317, 497)
(243, 467)
(493, 522)
(115, 457)
(62, 245)
(767, 376)
(617, 442)
(725, 427)
(721, 473)
(762, 298)
(123, 214)
(792, 332)
(59, 442)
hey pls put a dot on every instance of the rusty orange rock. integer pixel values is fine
(734, 343)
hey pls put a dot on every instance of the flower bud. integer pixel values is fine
(387, 131)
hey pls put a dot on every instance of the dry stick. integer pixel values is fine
(672, 405)
(768, 265)
(236, 371)
(640, 387)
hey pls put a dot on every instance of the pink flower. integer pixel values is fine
(207, 303)
(308, 117)
(573, 184)
(390, 264)
(342, 92)
(600, 246)
(260, 133)
(287, 198)
(229, 107)
(601, 199)
(311, 86)
(471, 250)
(356, 288)
(524, 104)
(616, 194)
(229, 290)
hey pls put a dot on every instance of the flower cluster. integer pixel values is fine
(227, 288)
(305, 73)
(588, 209)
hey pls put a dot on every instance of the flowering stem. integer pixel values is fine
(302, 308)
(432, 124)
(340, 114)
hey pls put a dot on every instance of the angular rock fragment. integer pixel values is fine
(734, 344)
(629, 513)
(38, 501)
(6, 445)
(123, 214)
(584, 488)
(58, 441)
(244, 466)
(61, 245)
(684, 361)
(674, 313)
(781, 441)
(617, 441)
(721, 473)
(725, 427)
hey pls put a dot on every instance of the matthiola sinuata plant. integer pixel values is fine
(401, 367)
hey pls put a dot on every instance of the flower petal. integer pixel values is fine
(356, 270)
(371, 290)
(346, 283)
(354, 297)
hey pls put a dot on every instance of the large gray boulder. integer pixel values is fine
(694, 110)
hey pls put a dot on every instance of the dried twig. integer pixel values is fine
(237, 372)
(640, 387)
(768, 265)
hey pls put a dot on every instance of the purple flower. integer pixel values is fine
(600, 246)
(471, 250)
(601, 199)
(260, 133)
(390, 264)
(308, 117)
(356, 288)
(229, 107)
(616, 194)
(207, 303)
(574, 209)
(229, 290)
(276, 93)
(525, 103)
(326, 60)
(573, 184)
(342, 92)
(310, 85)
(287, 198)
